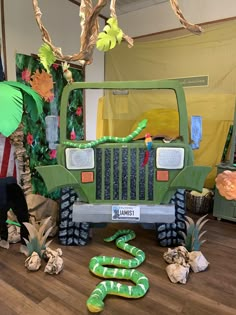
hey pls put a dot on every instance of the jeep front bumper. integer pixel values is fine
(99, 213)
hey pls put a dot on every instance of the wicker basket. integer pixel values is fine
(200, 203)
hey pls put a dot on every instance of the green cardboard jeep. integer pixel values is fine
(109, 179)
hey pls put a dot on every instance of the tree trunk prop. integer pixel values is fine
(17, 140)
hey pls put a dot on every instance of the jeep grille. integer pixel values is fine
(120, 176)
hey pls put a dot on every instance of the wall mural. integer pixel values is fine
(40, 138)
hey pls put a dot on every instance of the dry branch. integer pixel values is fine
(90, 28)
(89, 32)
(193, 28)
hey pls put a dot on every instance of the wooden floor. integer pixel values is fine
(207, 293)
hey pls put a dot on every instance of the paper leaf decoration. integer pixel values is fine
(11, 109)
(32, 100)
(42, 83)
(110, 36)
(12, 96)
(47, 57)
(226, 184)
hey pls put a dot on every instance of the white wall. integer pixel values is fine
(61, 19)
(161, 17)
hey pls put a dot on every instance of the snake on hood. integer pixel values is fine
(98, 266)
(131, 136)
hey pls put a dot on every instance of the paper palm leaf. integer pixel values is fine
(33, 101)
(110, 36)
(11, 109)
(13, 95)
(47, 57)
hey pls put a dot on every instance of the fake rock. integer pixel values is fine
(197, 261)
(178, 255)
(13, 234)
(177, 273)
(4, 244)
(55, 263)
(33, 262)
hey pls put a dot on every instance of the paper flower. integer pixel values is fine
(55, 66)
(42, 83)
(79, 111)
(25, 75)
(29, 138)
(50, 99)
(73, 135)
(53, 154)
(226, 184)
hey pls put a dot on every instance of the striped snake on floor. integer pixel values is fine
(125, 270)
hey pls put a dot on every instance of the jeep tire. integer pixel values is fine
(71, 233)
(169, 234)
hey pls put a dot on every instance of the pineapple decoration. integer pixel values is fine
(183, 258)
(37, 248)
(36, 245)
(193, 234)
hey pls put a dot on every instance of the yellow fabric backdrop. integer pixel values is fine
(180, 55)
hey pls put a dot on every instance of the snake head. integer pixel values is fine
(95, 304)
(142, 124)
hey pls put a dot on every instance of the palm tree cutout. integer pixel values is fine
(16, 98)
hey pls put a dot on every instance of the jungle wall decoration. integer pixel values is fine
(40, 137)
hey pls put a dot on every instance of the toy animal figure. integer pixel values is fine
(12, 197)
(148, 143)
(66, 72)
(124, 269)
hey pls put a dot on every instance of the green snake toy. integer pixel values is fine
(98, 266)
(104, 139)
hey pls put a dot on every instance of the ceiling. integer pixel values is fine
(126, 6)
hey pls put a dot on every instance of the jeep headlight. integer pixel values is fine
(170, 158)
(78, 159)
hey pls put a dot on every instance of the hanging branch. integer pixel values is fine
(127, 38)
(193, 28)
(90, 29)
